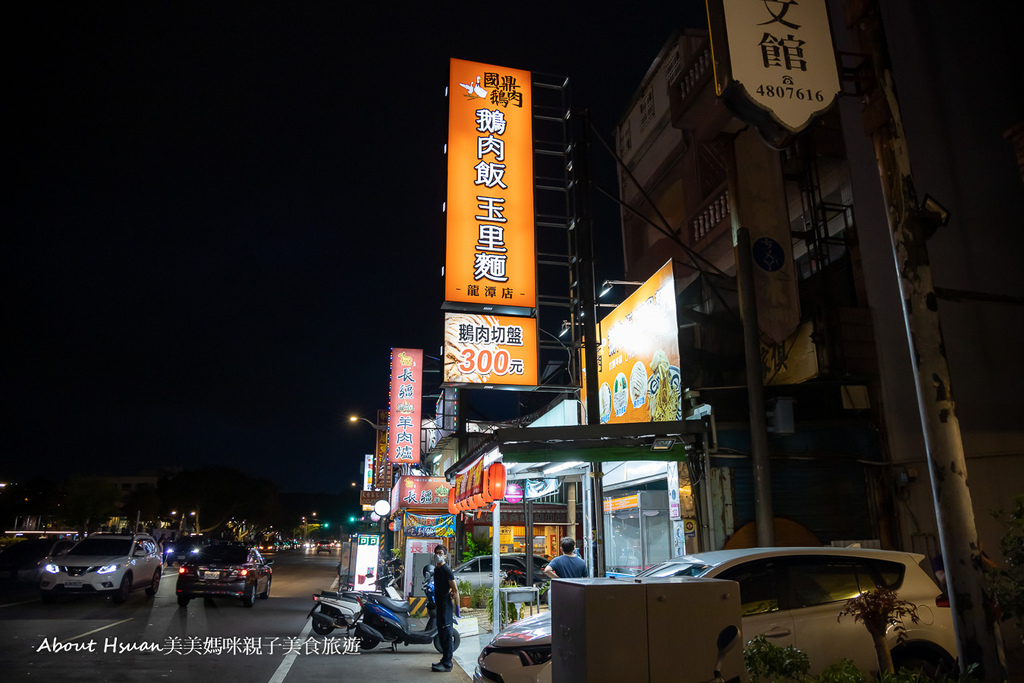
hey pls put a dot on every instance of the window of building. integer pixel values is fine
(646, 109)
(625, 140)
(675, 65)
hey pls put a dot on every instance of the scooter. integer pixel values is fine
(388, 619)
(333, 610)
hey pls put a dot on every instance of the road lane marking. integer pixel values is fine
(101, 628)
(12, 604)
(289, 659)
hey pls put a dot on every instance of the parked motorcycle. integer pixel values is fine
(333, 610)
(388, 620)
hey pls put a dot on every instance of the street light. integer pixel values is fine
(356, 418)
(606, 286)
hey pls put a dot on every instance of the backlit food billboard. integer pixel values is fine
(490, 260)
(495, 350)
(638, 356)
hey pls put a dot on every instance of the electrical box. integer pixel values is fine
(644, 629)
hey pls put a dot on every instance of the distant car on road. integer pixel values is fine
(112, 564)
(179, 549)
(224, 570)
(323, 547)
(24, 560)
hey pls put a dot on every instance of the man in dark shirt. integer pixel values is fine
(446, 595)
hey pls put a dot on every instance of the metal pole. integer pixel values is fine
(585, 242)
(978, 638)
(496, 559)
(763, 513)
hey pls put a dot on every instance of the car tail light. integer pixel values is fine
(942, 601)
(185, 569)
(243, 572)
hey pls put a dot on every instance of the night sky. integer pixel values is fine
(222, 216)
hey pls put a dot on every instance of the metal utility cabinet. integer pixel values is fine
(643, 629)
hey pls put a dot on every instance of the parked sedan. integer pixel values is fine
(224, 571)
(24, 560)
(792, 594)
(478, 571)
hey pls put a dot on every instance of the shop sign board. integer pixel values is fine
(368, 472)
(493, 350)
(428, 526)
(513, 492)
(426, 493)
(490, 262)
(775, 63)
(638, 356)
(382, 476)
(404, 409)
(625, 503)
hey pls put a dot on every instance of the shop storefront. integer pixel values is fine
(420, 506)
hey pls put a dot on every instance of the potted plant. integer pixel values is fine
(465, 594)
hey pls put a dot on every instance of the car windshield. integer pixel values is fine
(675, 568)
(226, 554)
(102, 546)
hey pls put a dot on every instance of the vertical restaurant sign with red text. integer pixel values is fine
(404, 408)
(490, 256)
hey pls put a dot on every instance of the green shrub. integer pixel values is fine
(479, 596)
(473, 547)
(771, 663)
(845, 671)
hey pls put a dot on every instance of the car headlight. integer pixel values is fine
(52, 568)
(107, 569)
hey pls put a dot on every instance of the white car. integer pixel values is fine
(791, 595)
(114, 564)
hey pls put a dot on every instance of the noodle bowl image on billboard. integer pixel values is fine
(638, 357)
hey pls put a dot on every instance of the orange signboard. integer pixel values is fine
(638, 357)
(627, 503)
(490, 259)
(496, 350)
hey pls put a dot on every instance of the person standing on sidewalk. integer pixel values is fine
(566, 565)
(446, 596)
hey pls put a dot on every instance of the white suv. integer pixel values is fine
(104, 563)
(793, 596)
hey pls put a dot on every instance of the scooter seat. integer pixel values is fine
(394, 605)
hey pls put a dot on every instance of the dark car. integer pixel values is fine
(24, 560)
(181, 548)
(323, 547)
(226, 570)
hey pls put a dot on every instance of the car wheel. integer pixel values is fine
(249, 598)
(456, 641)
(47, 596)
(183, 600)
(322, 628)
(266, 593)
(153, 587)
(121, 594)
(368, 643)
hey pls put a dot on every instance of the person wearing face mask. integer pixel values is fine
(446, 596)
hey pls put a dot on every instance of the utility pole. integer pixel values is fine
(585, 291)
(978, 639)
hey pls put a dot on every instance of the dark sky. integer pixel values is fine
(220, 217)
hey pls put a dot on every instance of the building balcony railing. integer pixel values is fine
(695, 71)
(710, 215)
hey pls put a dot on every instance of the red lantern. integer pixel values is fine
(391, 526)
(496, 481)
(487, 497)
(477, 501)
(452, 509)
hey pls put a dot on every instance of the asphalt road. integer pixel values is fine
(149, 639)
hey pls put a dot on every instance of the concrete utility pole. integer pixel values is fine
(978, 639)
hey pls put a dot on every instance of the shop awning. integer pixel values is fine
(599, 443)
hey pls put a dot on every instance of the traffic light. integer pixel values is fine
(326, 524)
(352, 518)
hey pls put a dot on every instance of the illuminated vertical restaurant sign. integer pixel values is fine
(775, 63)
(495, 350)
(638, 356)
(404, 409)
(382, 476)
(490, 259)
